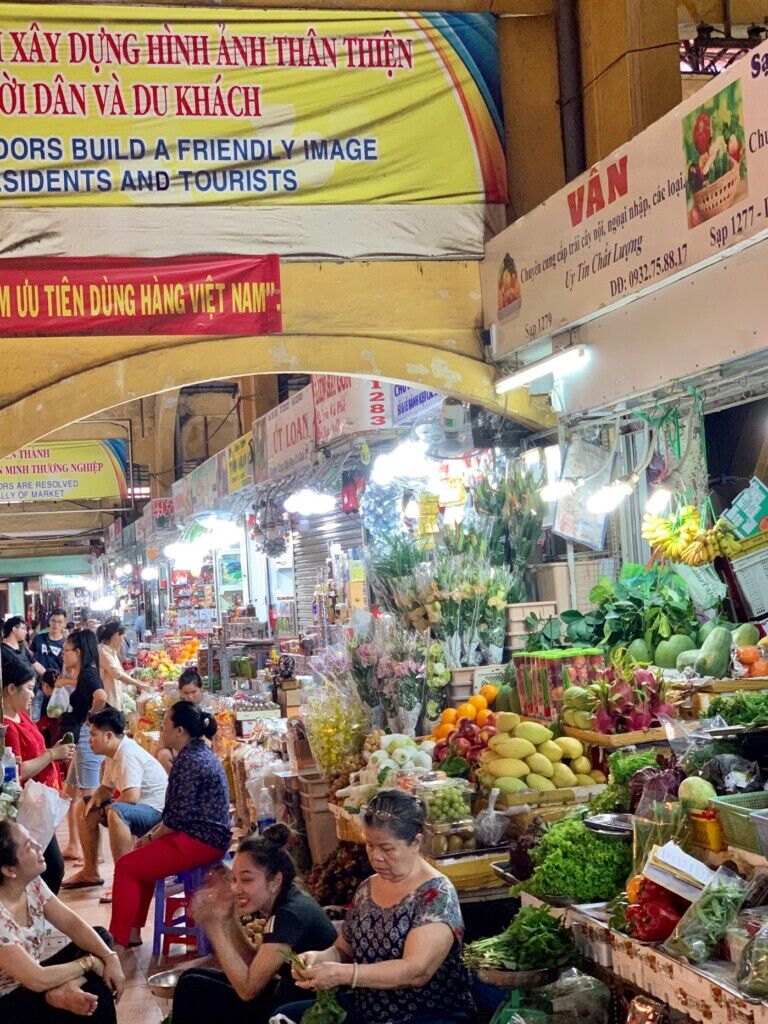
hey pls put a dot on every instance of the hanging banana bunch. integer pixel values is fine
(682, 538)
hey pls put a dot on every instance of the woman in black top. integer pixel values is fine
(81, 668)
(262, 882)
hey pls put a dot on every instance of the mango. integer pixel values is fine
(598, 777)
(584, 780)
(581, 766)
(562, 776)
(507, 721)
(745, 635)
(534, 732)
(540, 765)
(552, 751)
(571, 748)
(509, 784)
(508, 767)
(507, 746)
(534, 781)
(487, 756)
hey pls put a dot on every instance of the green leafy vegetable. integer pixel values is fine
(326, 1008)
(534, 940)
(741, 708)
(626, 763)
(575, 864)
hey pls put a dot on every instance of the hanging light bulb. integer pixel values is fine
(558, 489)
(658, 501)
(608, 498)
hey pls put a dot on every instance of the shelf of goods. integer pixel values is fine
(703, 997)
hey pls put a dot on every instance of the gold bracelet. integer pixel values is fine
(86, 964)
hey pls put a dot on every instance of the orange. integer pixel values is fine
(444, 731)
(467, 711)
(449, 716)
(478, 702)
(490, 692)
(482, 717)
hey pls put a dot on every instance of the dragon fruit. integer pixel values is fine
(628, 699)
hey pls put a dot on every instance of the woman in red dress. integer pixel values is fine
(26, 741)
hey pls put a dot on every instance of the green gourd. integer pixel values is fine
(715, 655)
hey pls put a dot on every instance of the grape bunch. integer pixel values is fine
(446, 803)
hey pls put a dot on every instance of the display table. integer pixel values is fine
(709, 996)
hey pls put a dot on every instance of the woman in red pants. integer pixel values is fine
(194, 830)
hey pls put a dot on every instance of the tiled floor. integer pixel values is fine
(138, 1005)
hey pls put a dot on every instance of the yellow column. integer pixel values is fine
(530, 92)
(630, 69)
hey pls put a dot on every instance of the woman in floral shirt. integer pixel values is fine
(400, 949)
(194, 831)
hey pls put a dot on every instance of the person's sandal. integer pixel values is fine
(107, 897)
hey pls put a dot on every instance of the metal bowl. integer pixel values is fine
(163, 985)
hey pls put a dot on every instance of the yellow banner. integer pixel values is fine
(65, 471)
(239, 464)
(160, 105)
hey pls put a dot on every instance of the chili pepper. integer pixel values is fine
(653, 922)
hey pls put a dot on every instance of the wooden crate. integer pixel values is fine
(625, 739)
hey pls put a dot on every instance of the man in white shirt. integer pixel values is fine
(129, 802)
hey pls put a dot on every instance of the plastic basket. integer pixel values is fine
(735, 815)
(760, 821)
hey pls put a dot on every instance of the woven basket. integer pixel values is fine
(735, 815)
(713, 199)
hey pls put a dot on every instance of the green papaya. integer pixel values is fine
(707, 628)
(745, 635)
(715, 656)
(687, 659)
(638, 651)
(668, 650)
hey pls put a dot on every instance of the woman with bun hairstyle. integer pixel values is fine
(262, 881)
(194, 830)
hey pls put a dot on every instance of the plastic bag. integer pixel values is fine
(573, 998)
(706, 921)
(643, 1010)
(59, 702)
(731, 774)
(491, 828)
(752, 969)
(41, 810)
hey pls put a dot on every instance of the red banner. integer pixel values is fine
(219, 295)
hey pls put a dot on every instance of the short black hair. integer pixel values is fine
(11, 624)
(398, 812)
(105, 633)
(9, 854)
(58, 611)
(109, 719)
(190, 675)
(16, 672)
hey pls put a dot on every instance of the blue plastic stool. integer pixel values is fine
(173, 920)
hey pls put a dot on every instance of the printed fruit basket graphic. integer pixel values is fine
(715, 155)
(509, 298)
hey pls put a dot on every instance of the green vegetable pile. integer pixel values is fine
(575, 864)
(533, 941)
(741, 708)
(706, 921)
(626, 763)
(326, 1008)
